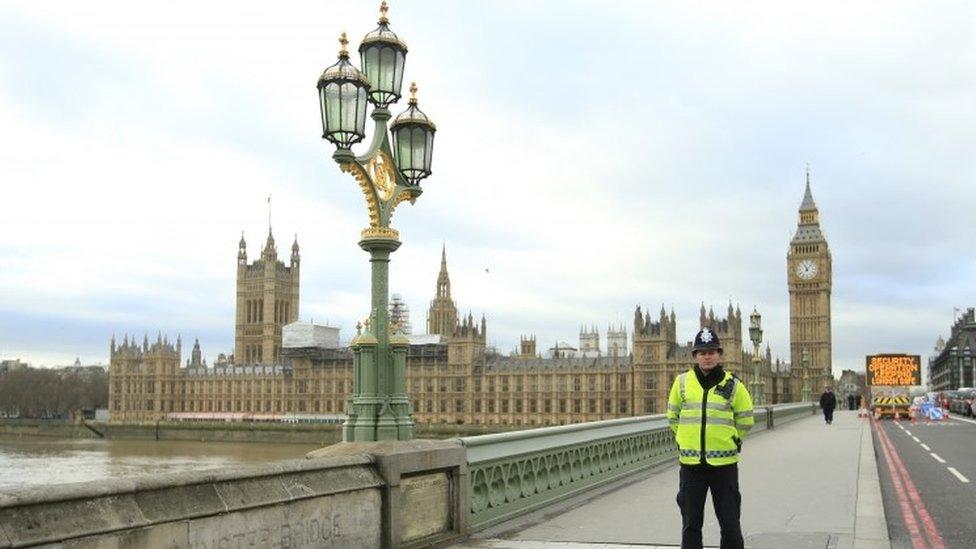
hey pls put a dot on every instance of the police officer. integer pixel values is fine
(710, 412)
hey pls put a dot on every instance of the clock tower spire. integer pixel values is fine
(810, 279)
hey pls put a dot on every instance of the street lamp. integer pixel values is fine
(755, 334)
(806, 381)
(967, 362)
(955, 372)
(387, 174)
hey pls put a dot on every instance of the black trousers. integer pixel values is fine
(694, 484)
(828, 414)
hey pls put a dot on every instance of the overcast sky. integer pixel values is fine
(590, 157)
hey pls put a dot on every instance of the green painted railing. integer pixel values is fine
(784, 413)
(513, 473)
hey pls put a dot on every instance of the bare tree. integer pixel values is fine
(44, 393)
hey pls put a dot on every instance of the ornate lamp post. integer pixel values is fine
(955, 376)
(389, 173)
(755, 334)
(806, 378)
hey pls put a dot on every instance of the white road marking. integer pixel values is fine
(907, 432)
(937, 458)
(958, 418)
(916, 440)
(958, 475)
(900, 427)
(927, 449)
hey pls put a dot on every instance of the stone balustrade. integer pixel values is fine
(409, 494)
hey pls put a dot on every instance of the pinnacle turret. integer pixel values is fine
(808, 204)
(269, 247)
(808, 229)
(443, 279)
(442, 316)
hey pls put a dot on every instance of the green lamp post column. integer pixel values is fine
(389, 173)
(755, 334)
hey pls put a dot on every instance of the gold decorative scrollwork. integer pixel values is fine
(380, 232)
(363, 179)
(402, 196)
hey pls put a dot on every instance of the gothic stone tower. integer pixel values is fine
(527, 347)
(442, 317)
(729, 332)
(617, 341)
(142, 379)
(653, 366)
(589, 341)
(267, 299)
(809, 274)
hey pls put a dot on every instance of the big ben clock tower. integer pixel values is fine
(810, 280)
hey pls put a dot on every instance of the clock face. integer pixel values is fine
(806, 269)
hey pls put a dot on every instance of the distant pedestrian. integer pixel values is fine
(850, 402)
(828, 402)
(710, 412)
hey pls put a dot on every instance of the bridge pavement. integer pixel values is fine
(804, 485)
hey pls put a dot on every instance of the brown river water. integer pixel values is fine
(40, 461)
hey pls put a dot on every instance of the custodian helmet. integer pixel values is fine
(706, 339)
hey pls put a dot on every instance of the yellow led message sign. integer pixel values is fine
(897, 370)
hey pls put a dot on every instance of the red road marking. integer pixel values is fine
(934, 536)
(933, 532)
(906, 508)
(897, 467)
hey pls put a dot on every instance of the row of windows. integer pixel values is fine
(301, 386)
(254, 354)
(532, 406)
(254, 311)
(536, 381)
(443, 385)
(504, 406)
(806, 305)
(328, 406)
(459, 384)
(806, 248)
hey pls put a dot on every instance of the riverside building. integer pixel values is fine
(453, 376)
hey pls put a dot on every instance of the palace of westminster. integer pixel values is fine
(452, 375)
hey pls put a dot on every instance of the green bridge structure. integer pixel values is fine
(581, 486)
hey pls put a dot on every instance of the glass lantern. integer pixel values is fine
(343, 90)
(413, 141)
(383, 55)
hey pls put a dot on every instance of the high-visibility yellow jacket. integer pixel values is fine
(707, 424)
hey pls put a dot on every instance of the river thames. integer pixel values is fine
(40, 461)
